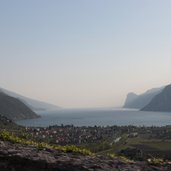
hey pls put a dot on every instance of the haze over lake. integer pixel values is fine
(100, 117)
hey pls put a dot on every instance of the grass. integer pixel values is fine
(8, 136)
(160, 145)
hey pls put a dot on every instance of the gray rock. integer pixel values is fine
(17, 157)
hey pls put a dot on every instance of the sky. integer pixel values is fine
(87, 53)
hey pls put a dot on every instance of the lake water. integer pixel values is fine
(100, 117)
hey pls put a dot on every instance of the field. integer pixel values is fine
(142, 146)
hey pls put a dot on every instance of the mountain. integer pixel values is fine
(14, 109)
(35, 105)
(129, 99)
(139, 101)
(161, 102)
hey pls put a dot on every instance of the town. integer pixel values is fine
(70, 134)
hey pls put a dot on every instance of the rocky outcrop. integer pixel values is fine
(129, 99)
(17, 157)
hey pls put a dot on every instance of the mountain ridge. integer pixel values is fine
(35, 105)
(161, 102)
(14, 109)
(139, 101)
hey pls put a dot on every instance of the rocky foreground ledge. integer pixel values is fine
(18, 157)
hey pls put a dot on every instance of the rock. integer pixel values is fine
(17, 157)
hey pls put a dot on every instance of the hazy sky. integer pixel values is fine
(84, 53)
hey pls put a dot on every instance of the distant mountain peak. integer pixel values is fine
(139, 101)
(130, 98)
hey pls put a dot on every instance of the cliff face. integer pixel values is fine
(17, 157)
(161, 102)
(139, 101)
(130, 99)
(14, 109)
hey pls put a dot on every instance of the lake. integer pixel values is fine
(99, 117)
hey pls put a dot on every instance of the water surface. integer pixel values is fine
(100, 117)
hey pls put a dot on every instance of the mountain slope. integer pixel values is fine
(35, 105)
(161, 102)
(139, 101)
(7, 124)
(14, 109)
